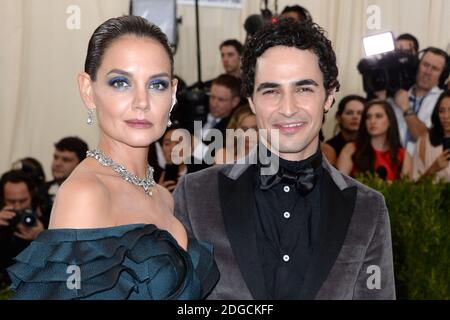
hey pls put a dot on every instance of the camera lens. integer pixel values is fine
(27, 217)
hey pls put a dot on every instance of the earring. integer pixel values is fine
(169, 123)
(90, 119)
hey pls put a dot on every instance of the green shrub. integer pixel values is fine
(420, 226)
(5, 294)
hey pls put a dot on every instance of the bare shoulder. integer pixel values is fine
(82, 202)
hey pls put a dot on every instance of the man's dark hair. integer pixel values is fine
(17, 176)
(442, 53)
(289, 33)
(235, 43)
(73, 144)
(302, 12)
(230, 82)
(113, 29)
(437, 131)
(409, 37)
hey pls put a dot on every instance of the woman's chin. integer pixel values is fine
(143, 142)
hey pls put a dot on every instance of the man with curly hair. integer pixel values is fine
(305, 231)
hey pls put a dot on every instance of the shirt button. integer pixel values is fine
(286, 258)
(286, 189)
(287, 215)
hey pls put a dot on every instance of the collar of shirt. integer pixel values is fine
(416, 102)
(434, 90)
(212, 120)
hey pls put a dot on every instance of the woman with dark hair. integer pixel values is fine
(174, 166)
(432, 154)
(377, 147)
(112, 231)
(348, 117)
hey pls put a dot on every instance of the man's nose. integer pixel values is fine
(428, 70)
(288, 105)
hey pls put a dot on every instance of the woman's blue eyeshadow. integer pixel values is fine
(115, 79)
(164, 83)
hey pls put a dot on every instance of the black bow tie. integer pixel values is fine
(304, 179)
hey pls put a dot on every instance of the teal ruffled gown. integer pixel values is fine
(136, 261)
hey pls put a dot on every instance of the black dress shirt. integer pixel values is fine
(286, 225)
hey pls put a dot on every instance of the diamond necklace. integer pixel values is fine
(106, 161)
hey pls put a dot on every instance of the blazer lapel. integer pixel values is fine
(238, 205)
(335, 214)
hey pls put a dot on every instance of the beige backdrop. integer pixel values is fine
(40, 57)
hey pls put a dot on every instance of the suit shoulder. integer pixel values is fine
(363, 190)
(209, 173)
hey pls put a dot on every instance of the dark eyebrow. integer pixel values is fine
(272, 85)
(267, 85)
(306, 82)
(126, 73)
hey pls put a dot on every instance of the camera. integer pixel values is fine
(383, 68)
(26, 216)
(195, 105)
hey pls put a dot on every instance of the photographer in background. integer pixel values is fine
(413, 108)
(21, 218)
(408, 43)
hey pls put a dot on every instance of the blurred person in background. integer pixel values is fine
(296, 12)
(230, 54)
(240, 143)
(348, 117)
(407, 42)
(377, 147)
(69, 152)
(432, 155)
(22, 218)
(171, 171)
(34, 169)
(224, 98)
(413, 108)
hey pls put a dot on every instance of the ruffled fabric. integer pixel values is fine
(125, 262)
